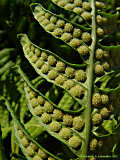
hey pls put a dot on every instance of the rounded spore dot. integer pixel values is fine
(69, 72)
(74, 142)
(68, 27)
(52, 74)
(20, 133)
(60, 23)
(34, 102)
(106, 66)
(78, 123)
(86, 6)
(58, 32)
(45, 22)
(40, 18)
(42, 154)
(83, 50)
(60, 80)
(75, 42)
(65, 133)
(100, 32)
(69, 6)
(105, 99)
(48, 107)
(60, 66)
(51, 60)
(47, 15)
(44, 56)
(39, 12)
(105, 20)
(28, 88)
(66, 37)
(30, 151)
(78, 3)
(46, 118)
(67, 120)
(77, 33)
(37, 157)
(99, 53)
(38, 110)
(62, 3)
(99, 4)
(93, 144)
(86, 37)
(32, 48)
(80, 75)
(68, 84)
(96, 119)
(55, 126)
(40, 100)
(50, 27)
(78, 10)
(34, 58)
(25, 141)
(33, 146)
(104, 112)
(53, 19)
(99, 19)
(76, 91)
(45, 68)
(57, 114)
(39, 63)
(99, 70)
(37, 52)
(86, 15)
(96, 100)
(26, 48)
(31, 95)
(106, 54)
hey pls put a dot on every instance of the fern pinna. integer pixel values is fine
(73, 96)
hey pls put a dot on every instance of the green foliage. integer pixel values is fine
(60, 98)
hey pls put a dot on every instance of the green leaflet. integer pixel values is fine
(62, 80)
(6, 52)
(5, 59)
(25, 132)
(4, 121)
(2, 153)
(109, 125)
(47, 127)
(109, 83)
(58, 33)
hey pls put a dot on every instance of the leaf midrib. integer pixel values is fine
(87, 112)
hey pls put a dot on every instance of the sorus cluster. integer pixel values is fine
(77, 6)
(102, 65)
(102, 103)
(69, 33)
(56, 120)
(31, 149)
(102, 56)
(95, 144)
(56, 71)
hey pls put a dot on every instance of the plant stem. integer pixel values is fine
(90, 71)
